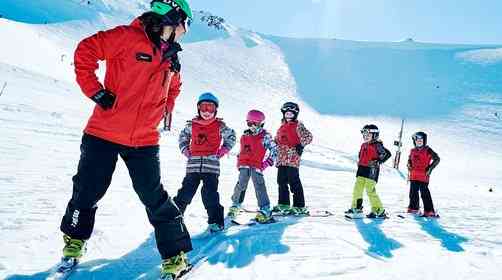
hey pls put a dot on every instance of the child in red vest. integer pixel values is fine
(251, 163)
(421, 162)
(371, 155)
(205, 140)
(291, 139)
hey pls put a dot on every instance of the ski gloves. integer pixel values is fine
(171, 54)
(222, 151)
(267, 163)
(104, 98)
(299, 149)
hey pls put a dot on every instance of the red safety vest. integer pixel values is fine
(252, 150)
(367, 153)
(287, 134)
(206, 137)
(420, 160)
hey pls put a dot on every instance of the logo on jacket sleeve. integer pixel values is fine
(144, 57)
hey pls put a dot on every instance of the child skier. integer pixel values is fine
(421, 162)
(201, 142)
(251, 163)
(371, 155)
(291, 139)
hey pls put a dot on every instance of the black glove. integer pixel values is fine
(104, 98)
(299, 149)
(175, 64)
(171, 54)
(428, 171)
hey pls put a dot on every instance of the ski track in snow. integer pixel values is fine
(42, 114)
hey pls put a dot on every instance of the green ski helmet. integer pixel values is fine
(173, 12)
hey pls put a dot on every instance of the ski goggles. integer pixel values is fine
(417, 137)
(207, 107)
(253, 124)
(291, 109)
(368, 131)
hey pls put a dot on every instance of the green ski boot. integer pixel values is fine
(299, 211)
(282, 209)
(233, 211)
(264, 216)
(74, 248)
(173, 267)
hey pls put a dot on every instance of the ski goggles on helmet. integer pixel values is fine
(254, 124)
(366, 131)
(417, 137)
(291, 108)
(207, 107)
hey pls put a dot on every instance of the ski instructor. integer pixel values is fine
(141, 84)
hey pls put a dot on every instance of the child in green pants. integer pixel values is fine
(371, 155)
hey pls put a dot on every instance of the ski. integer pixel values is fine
(312, 213)
(416, 215)
(63, 269)
(349, 217)
(252, 222)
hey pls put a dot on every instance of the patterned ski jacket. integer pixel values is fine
(288, 135)
(252, 154)
(206, 139)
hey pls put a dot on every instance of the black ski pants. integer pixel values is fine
(423, 188)
(209, 192)
(95, 169)
(289, 177)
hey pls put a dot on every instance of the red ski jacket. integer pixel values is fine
(252, 150)
(420, 161)
(206, 137)
(143, 84)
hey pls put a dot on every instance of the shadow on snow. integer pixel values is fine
(236, 247)
(379, 244)
(450, 241)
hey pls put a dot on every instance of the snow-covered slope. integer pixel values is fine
(42, 113)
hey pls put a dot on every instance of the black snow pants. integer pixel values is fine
(95, 169)
(209, 192)
(423, 188)
(287, 175)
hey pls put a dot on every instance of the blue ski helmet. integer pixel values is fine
(208, 97)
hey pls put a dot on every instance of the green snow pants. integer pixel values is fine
(357, 196)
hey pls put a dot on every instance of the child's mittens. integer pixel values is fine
(267, 163)
(222, 152)
(186, 153)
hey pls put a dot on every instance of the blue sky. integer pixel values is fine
(448, 21)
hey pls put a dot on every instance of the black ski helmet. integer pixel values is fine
(371, 129)
(290, 107)
(419, 135)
